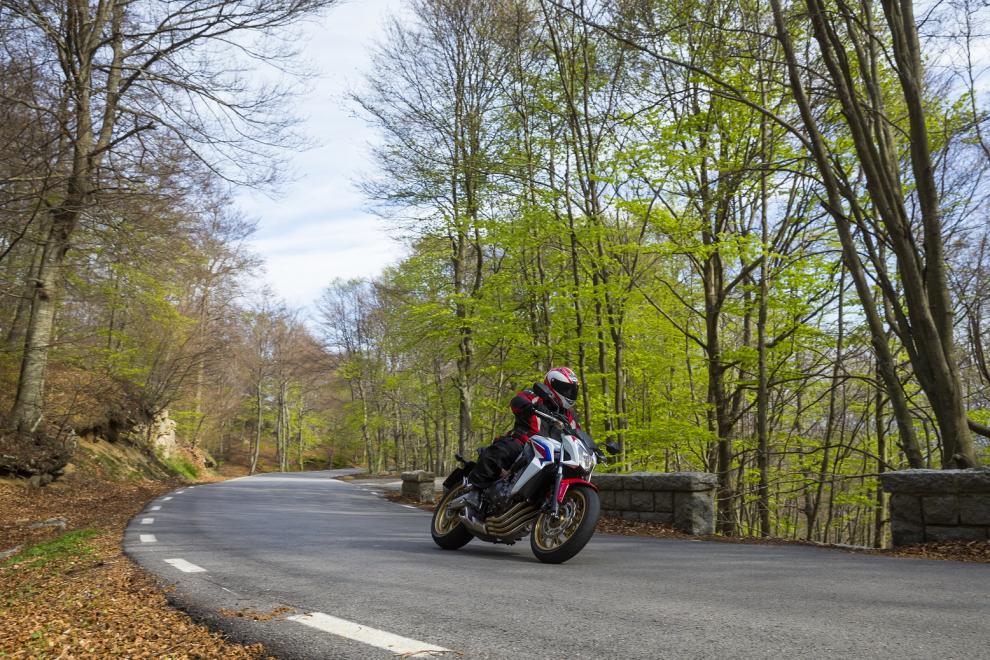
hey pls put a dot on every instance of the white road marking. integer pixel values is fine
(185, 566)
(166, 499)
(409, 506)
(147, 521)
(156, 508)
(179, 492)
(148, 538)
(367, 635)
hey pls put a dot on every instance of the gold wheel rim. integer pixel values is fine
(551, 534)
(444, 523)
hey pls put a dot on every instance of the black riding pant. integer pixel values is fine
(498, 456)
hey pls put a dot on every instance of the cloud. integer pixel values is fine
(319, 228)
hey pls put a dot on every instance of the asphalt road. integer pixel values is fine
(319, 545)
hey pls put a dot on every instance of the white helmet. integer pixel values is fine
(563, 384)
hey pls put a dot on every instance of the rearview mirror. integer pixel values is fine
(612, 447)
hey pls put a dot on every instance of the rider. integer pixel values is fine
(556, 395)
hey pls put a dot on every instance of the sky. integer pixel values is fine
(319, 227)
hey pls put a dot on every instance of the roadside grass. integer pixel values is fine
(67, 546)
(182, 468)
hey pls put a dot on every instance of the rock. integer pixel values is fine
(418, 485)
(10, 552)
(974, 510)
(694, 513)
(955, 533)
(418, 476)
(941, 509)
(663, 501)
(906, 533)
(59, 523)
(906, 507)
(641, 500)
(158, 435)
(607, 481)
(972, 480)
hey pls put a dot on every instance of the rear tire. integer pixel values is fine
(447, 531)
(556, 541)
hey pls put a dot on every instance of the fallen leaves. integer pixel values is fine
(255, 615)
(87, 599)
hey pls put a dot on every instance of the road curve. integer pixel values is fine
(319, 545)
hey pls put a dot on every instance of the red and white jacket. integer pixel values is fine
(538, 396)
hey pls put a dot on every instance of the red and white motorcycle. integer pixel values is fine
(547, 493)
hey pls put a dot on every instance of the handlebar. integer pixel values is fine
(552, 418)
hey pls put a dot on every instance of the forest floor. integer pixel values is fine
(67, 590)
(969, 551)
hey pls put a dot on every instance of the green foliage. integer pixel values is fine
(182, 468)
(67, 546)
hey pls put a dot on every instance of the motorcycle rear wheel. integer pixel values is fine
(447, 530)
(556, 541)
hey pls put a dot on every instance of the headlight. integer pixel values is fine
(584, 457)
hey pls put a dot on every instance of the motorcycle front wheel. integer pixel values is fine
(554, 541)
(447, 530)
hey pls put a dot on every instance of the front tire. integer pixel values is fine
(447, 530)
(556, 541)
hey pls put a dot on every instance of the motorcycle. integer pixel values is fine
(547, 493)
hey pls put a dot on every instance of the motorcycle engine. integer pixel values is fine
(498, 497)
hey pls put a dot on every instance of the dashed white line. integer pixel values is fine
(409, 506)
(403, 646)
(166, 499)
(185, 566)
(148, 538)
(147, 521)
(156, 508)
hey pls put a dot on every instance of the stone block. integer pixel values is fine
(663, 518)
(694, 513)
(941, 509)
(905, 507)
(641, 500)
(906, 533)
(974, 509)
(621, 500)
(417, 476)
(663, 501)
(607, 498)
(955, 533)
(607, 481)
(973, 480)
(634, 480)
(682, 481)
(629, 515)
(418, 485)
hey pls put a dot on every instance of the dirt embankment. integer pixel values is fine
(66, 590)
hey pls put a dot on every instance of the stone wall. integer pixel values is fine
(418, 485)
(685, 500)
(938, 505)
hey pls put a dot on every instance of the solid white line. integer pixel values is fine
(148, 538)
(156, 508)
(367, 635)
(147, 521)
(185, 566)
(166, 499)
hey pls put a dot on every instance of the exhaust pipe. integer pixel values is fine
(476, 527)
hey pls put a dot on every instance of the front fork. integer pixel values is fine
(554, 504)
